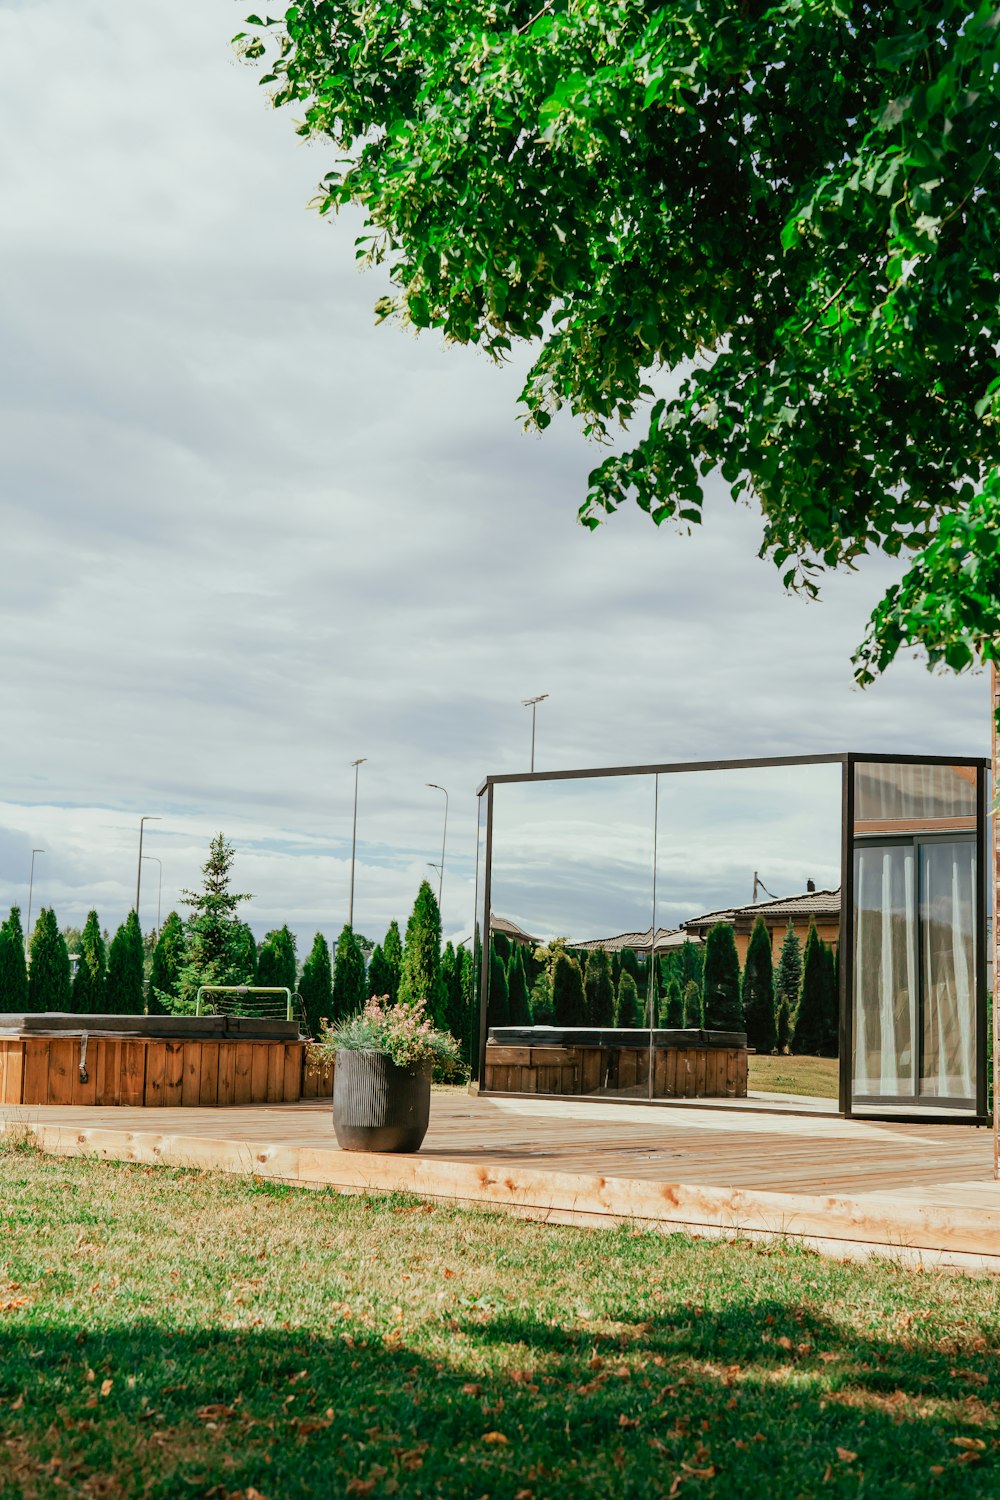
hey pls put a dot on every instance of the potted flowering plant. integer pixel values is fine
(382, 1082)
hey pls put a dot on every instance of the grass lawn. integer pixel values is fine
(168, 1334)
(815, 1076)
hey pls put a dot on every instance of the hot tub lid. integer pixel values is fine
(167, 1028)
(612, 1036)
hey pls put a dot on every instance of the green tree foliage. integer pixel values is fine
(809, 1033)
(91, 969)
(498, 1003)
(693, 1015)
(568, 1005)
(349, 980)
(169, 957)
(48, 972)
(451, 988)
(630, 965)
(774, 204)
(831, 1003)
(316, 985)
(672, 1005)
(471, 957)
(627, 1001)
(758, 990)
(214, 936)
(787, 986)
(244, 955)
(692, 960)
(393, 950)
(599, 994)
(503, 945)
(380, 976)
(13, 967)
(123, 989)
(420, 977)
(517, 989)
(720, 987)
(276, 961)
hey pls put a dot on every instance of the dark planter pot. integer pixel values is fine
(378, 1106)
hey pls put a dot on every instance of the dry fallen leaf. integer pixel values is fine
(967, 1442)
(106, 1386)
(471, 1388)
(846, 1456)
(358, 1486)
(495, 1437)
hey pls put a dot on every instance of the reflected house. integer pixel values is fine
(640, 942)
(510, 930)
(822, 907)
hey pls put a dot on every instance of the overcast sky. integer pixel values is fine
(248, 536)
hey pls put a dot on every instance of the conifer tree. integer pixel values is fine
(91, 969)
(758, 990)
(787, 984)
(348, 976)
(567, 992)
(470, 1006)
(599, 995)
(503, 945)
(276, 961)
(316, 985)
(48, 974)
(393, 950)
(630, 965)
(692, 963)
(498, 1006)
(212, 929)
(693, 1015)
(809, 1032)
(420, 977)
(13, 967)
(519, 1007)
(379, 973)
(831, 1003)
(627, 1001)
(672, 1007)
(720, 985)
(168, 961)
(123, 990)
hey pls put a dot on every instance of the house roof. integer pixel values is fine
(666, 937)
(510, 929)
(786, 908)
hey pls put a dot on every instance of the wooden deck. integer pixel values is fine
(920, 1192)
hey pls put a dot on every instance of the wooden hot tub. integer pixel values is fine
(615, 1062)
(60, 1058)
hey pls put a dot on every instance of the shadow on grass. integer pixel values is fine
(760, 1400)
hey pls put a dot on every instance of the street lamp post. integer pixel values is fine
(444, 836)
(146, 818)
(533, 703)
(159, 887)
(31, 887)
(354, 840)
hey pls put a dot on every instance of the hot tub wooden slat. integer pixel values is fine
(208, 1086)
(695, 1071)
(258, 1073)
(173, 1074)
(227, 1072)
(156, 1062)
(242, 1073)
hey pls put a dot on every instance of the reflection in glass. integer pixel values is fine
(885, 970)
(947, 917)
(896, 798)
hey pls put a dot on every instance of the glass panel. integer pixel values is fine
(475, 943)
(948, 919)
(737, 848)
(914, 798)
(571, 906)
(885, 970)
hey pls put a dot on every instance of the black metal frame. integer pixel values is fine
(848, 761)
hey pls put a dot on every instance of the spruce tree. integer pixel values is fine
(123, 989)
(316, 985)
(379, 974)
(599, 995)
(787, 984)
(393, 950)
(567, 992)
(627, 1001)
(168, 961)
(212, 928)
(348, 976)
(758, 990)
(810, 1032)
(519, 1007)
(88, 983)
(693, 1014)
(498, 1007)
(420, 977)
(13, 967)
(276, 961)
(48, 974)
(672, 1007)
(720, 985)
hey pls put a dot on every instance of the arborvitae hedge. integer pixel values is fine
(316, 985)
(599, 994)
(692, 1003)
(276, 962)
(809, 1032)
(123, 990)
(627, 1001)
(517, 989)
(788, 978)
(672, 1004)
(498, 1007)
(567, 992)
(348, 976)
(243, 965)
(393, 951)
(721, 1004)
(420, 977)
(758, 990)
(13, 968)
(831, 1003)
(451, 985)
(91, 969)
(168, 961)
(380, 977)
(48, 973)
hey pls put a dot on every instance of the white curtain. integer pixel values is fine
(885, 970)
(947, 916)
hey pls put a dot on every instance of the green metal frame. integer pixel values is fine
(246, 989)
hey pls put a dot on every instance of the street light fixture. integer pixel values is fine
(159, 888)
(435, 788)
(31, 887)
(533, 703)
(146, 818)
(354, 840)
